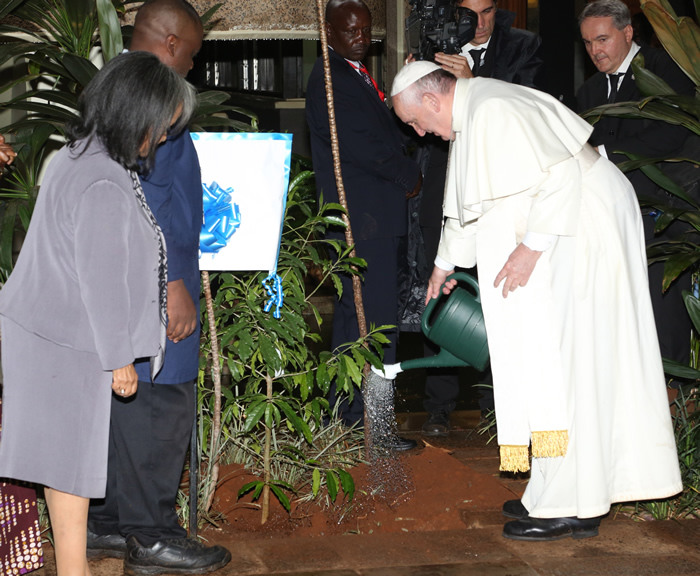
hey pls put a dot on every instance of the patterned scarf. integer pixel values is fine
(158, 359)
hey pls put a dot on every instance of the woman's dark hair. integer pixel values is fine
(132, 100)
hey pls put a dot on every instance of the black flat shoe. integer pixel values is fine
(398, 444)
(546, 529)
(515, 509)
(438, 424)
(105, 545)
(173, 556)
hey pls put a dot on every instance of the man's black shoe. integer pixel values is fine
(515, 509)
(105, 545)
(173, 556)
(546, 529)
(398, 444)
(437, 424)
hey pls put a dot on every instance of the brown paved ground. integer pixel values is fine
(624, 547)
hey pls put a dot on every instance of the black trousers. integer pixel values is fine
(148, 441)
(673, 324)
(380, 296)
(441, 384)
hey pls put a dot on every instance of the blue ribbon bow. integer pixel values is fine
(221, 218)
(273, 287)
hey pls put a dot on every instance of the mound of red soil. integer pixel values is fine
(424, 490)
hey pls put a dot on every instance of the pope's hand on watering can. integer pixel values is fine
(437, 279)
(517, 269)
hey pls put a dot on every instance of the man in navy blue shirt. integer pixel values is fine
(150, 432)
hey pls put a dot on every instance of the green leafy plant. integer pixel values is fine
(681, 39)
(53, 49)
(273, 412)
(48, 52)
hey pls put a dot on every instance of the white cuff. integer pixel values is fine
(443, 264)
(539, 241)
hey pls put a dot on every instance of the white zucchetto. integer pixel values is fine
(410, 73)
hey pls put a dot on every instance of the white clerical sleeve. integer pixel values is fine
(458, 243)
(556, 204)
(538, 241)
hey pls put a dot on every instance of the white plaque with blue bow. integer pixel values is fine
(244, 181)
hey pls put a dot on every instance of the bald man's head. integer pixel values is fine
(170, 29)
(349, 28)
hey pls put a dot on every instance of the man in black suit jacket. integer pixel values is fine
(507, 54)
(501, 52)
(377, 175)
(607, 34)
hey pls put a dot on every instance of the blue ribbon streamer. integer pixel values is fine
(221, 218)
(275, 293)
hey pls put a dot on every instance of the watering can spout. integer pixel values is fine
(456, 324)
(442, 360)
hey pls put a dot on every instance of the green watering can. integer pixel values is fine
(456, 324)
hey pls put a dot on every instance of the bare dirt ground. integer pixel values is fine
(445, 521)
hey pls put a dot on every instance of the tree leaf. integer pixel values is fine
(110, 29)
(331, 485)
(80, 69)
(352, 369)
(256, 485)
(649, 84)
(678, 370)
(676, 264)
(206, 18)
(281, 496)
(9, 216)
(8, 6)
(294, 419)
(656, 175)
(253, 415)
(347, 482)
(692, 304)
(315, 482)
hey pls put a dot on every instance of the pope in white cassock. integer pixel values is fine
(556, 233)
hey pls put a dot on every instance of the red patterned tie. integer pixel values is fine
(362, 69)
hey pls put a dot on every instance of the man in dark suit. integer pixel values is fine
(377, 175)
(496, 51)
(150, 432)
(608, 37)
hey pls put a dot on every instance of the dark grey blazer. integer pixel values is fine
(513, 55)
(86, 277)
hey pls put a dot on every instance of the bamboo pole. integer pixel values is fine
(342, 199)
(267, 474)
(216, 379)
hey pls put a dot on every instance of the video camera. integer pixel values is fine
(438, 26)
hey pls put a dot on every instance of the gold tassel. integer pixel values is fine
(549, 444)
(514, 458)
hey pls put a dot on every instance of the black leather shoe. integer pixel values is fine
(515, 509)
(437, 424)
(173, 556)
(105, 545)
(398, 444)
(546, 529)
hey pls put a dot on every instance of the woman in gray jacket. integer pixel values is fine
(87, 296)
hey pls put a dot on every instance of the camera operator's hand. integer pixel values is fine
(455, 64)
